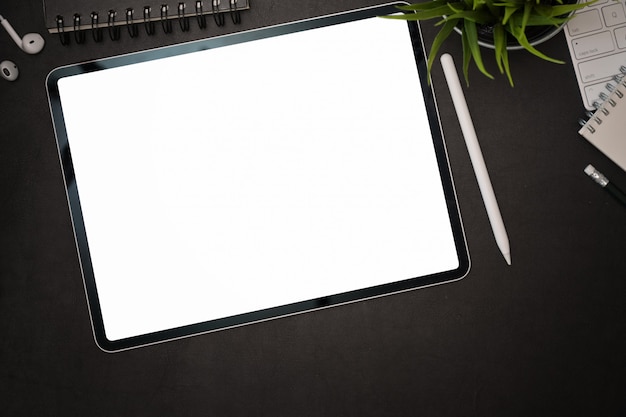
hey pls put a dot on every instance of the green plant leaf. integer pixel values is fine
(510, 3)
(495, 11)
(439, 11)
(499, 43)
(545, 21)
(523, 41)
(469, 29)
(467, 57)
(409, 17)
(508, 12)
(423, 5)
(528, 8)
(482, 17)
(535, 20)
(478, 4)
(441, 36)
(564, 9)
(502, 54)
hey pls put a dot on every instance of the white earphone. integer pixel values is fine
(31, 43)
(9, 71)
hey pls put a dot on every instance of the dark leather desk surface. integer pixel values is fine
(543, 337)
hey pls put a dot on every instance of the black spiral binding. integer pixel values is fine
(600, 108)
(166, 24)
(130, 25)
(114, 22)
(114, 31)
(201, 18)
(148, 23)
(217, 17)
(79, 35)
(235, 14)
(182, 20)
(65, 38)
(96, 30)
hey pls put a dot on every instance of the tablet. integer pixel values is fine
(256, 175)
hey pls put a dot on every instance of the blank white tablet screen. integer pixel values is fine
(256, 175)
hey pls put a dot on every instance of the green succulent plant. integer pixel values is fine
(507, 19)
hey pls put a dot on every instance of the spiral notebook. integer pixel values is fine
(108, 18)
(606, 126)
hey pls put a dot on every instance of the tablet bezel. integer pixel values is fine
(279, 311)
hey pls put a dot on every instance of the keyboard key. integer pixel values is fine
(614, 14)
(584, 22)
(592, 45)
(600, 68)
(620, 35)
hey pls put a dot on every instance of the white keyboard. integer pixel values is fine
(596, 38)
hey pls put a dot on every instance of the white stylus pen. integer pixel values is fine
(476, 156)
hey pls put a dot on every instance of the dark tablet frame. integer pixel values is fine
(279, 311)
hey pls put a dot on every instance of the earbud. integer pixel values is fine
(31, 43)
(9, 71)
